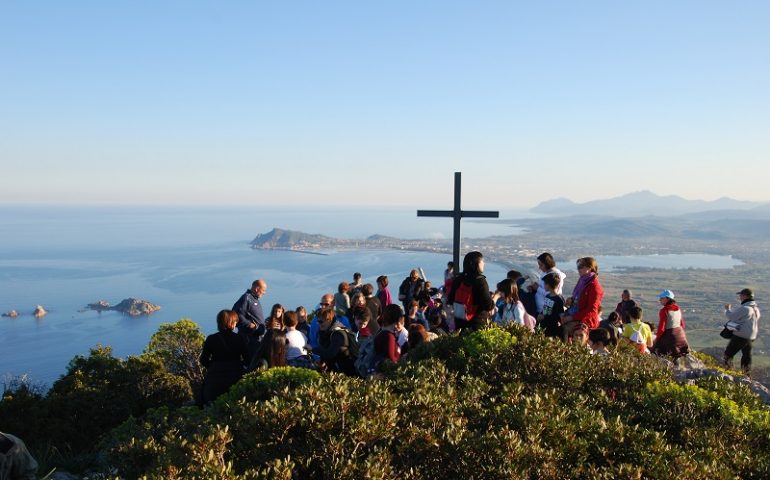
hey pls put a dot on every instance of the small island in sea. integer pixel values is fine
(130, 306)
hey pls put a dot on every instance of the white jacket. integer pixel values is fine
(745, 319)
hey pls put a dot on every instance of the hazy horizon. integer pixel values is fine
(517, 209)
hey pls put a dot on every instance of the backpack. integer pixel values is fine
(351, 346)
(368, 359)
(529, 321)
(465, 309)
(637, 338)
(508, 315)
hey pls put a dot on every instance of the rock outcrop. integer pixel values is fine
(11, 314)
(130, 306)
(99, 306)
(40, 311)
(689, 368)
(136, 307)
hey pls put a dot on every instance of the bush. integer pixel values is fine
(178, 346)
(499, 403)
(261, 385)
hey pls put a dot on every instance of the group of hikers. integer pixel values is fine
(357, 329)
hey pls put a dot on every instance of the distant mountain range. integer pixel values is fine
(644, 203)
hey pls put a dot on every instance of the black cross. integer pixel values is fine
(457, 214)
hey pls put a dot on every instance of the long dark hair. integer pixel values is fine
(276, 350)
(509, 290)
(471, 263)
(276, 323)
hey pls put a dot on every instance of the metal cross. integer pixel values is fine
(457, 214)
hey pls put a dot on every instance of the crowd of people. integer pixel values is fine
(357, 329)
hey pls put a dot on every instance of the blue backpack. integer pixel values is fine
(368, 360)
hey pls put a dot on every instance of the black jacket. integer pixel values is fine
(479, 289)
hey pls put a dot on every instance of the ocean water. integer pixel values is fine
(192, 263)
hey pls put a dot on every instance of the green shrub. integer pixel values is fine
(499, 403)
(178, 346)
(261, 385)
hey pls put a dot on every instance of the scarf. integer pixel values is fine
(582, 283)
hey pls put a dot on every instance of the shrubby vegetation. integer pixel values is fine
(500, 403)
(97, 393)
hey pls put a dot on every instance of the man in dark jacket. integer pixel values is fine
(334, 344)
(410, 288)
(251, 317)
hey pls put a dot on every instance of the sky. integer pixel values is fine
(334, 103)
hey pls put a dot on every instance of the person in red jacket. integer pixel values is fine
(386, 341)
(586, 299)
(670, 338)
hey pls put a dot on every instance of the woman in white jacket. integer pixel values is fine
(744, 323)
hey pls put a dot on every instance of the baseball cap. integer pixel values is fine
(748, 292)
(666, 294)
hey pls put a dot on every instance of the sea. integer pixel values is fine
(193, 262)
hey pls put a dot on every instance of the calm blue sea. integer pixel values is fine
(192, 262)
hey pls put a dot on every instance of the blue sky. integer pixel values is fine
(377, 103)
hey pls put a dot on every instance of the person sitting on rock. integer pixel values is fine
(670, 338)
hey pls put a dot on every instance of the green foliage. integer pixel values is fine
(96, 394)
(178, 345)
(487, 341)
(739, 393)
(500, 403)
(169, 444)
(261, 385)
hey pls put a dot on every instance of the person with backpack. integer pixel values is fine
(386, 342)
(384, 345)
(337, 345)
(470, 297)
(510, 309)
(743, 321)
(636, 331)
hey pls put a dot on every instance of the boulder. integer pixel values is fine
(11, 314)
(689, 368)
(40, 311)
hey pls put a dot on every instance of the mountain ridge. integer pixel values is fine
(643, 203)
